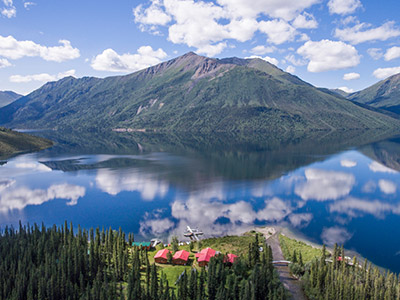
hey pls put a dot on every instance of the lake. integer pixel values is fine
(329, 187)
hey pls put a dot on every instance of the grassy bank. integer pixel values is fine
(12, 142)
(289, 246)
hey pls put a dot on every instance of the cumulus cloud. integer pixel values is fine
(43, 77)
(278, 31)
(271, 60)
(4, 63)
(392, 53)
(329, 55)
(295, 61)
(343, 7)
(351, 76)
(382, 73)
(284, 9)
(208, 25)
(353, 207)
(333, 235)
(9, 10)
(363, 32)
(109, 60)
(324, 185)
(347, 163)
(375, 53)
(148, 186)
(377, 167)
(155, 227)
(387, 186)
(153, 15)
(14, 49)
(262, 50)
(306, 21)
(21, 197)
(290, 69)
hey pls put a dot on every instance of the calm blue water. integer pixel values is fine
(337, 191)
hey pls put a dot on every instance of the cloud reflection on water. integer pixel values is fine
(20, 197)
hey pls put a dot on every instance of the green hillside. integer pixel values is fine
(385, 94)
(6, 97)
(192, 93)
(14, 142)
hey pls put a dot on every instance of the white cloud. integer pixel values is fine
(271, 60)
(14, 49)
(19, 198)
(346, 89)
(6, 183)
(387, 186)
(4, 63)
(351, 76)
(333, 235)
(293, 60)
(305, 20)
(392, 53)
(347, 163)
(382, 73)
(207, 25)
(363, 32)
(284, 9)
(369, 187)
(343, 7)
(148, 186)
(300, 220)
(350, 206)
(111, 61)
(153, 15)
(290, 69)
(155, 227)
(27, 5)
(43, 77)
(377, 167)
(375, 53)
(278, 31)
(329, 55)
(262, 50)
(324, 185)
(9, 10)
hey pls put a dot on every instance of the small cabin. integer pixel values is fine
(180, 257)
(203, 258)
(142, 245)
(230, 258)
(161, 256)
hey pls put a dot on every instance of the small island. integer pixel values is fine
(13, 142)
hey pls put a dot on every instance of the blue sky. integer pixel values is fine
(329, 43)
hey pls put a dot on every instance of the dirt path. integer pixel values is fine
(290, 283)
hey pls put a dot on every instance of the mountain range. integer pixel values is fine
(7, 97)
(192, 93)
(385, 94)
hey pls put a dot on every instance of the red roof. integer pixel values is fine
(182, 254)
(230, 258)
(206, 254)
(162, 253)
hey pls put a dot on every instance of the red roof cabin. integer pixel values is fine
(203, 258)
(180, 257)
(230, 258)
(161, 256)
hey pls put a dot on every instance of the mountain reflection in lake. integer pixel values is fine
(331, 187)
